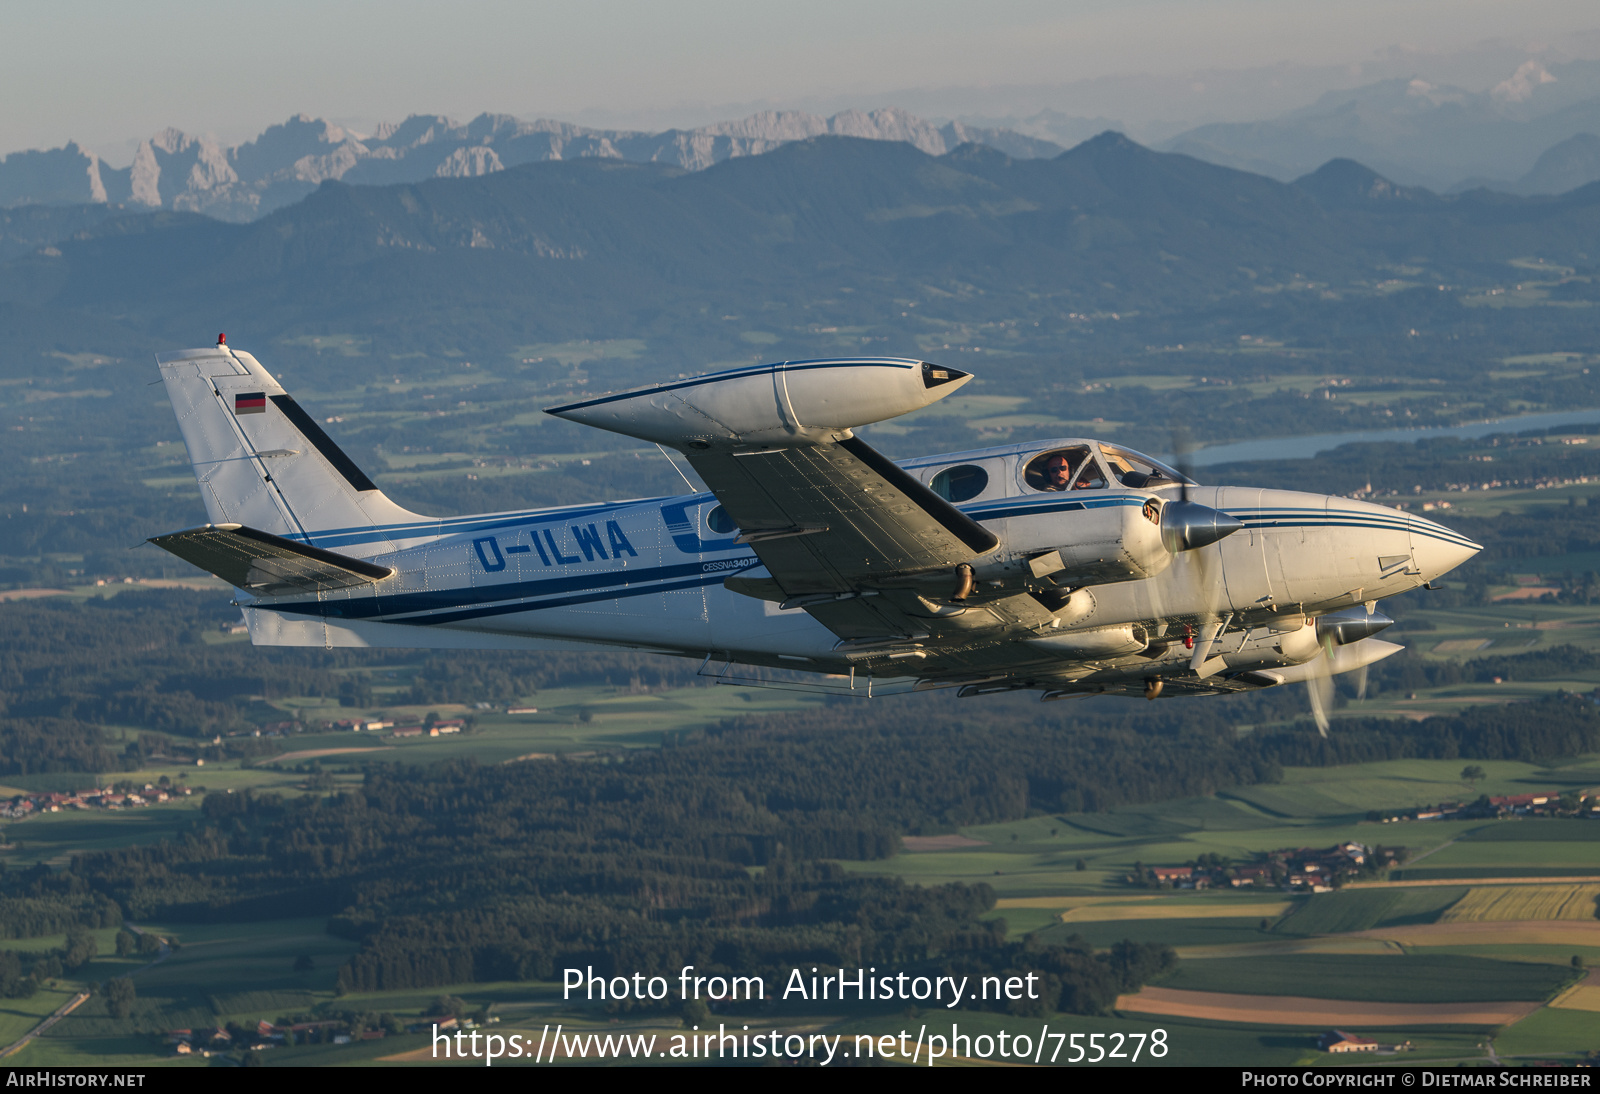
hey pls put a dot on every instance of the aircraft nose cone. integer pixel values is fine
(1186, 525)
(1437, 550)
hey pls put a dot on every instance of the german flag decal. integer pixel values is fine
(250, 402)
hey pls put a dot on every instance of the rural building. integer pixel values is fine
(1337, 1040)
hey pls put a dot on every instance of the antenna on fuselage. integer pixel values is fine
(678, 469)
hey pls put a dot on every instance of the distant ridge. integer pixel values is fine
(1347, 184)
(174, 170)
(1105, 229)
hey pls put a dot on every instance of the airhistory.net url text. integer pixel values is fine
(724, 1044)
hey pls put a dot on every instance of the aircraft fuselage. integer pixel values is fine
(649, 574)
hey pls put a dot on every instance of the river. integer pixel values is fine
(1303, 448)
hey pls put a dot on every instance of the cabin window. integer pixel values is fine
(1138, 470)
(1073, 468)
(720, 522)
(961, 483)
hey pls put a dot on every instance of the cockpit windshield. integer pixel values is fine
(1139, 471)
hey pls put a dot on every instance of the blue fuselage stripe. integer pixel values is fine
(567, 601)
(605, 585)
(445, 606)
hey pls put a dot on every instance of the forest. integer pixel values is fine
(715, 849)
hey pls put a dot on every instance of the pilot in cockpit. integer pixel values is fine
(1055, 471)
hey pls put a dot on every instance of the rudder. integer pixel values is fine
(261, 460)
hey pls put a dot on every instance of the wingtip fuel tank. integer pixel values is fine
(787, 404)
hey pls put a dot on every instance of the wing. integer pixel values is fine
(833, 518)
(844, 533)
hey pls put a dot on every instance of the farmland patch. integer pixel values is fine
(1534, 831)
(1170, 910)
(1516, 902)
(1361, 909)
(1534, 932)
(1288, 1010)
(1422, 978)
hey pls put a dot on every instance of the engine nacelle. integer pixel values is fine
(1089, 645)
(1106, 544)
(1125, 542)
(1275, 647)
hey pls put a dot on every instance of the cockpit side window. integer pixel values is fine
(1064, 469)
(1136, 470)
(961, 483)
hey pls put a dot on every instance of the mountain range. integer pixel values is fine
(830, 230)
(1423, 134)
(1532, 132)
(175, 170)
(1113, 286)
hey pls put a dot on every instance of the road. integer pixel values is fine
(61, 1012)
(77, 1000)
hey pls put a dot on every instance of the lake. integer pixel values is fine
(1303, 448)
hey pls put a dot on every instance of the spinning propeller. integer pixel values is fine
(1201, 525)
(1335, 631)
(1186, 526)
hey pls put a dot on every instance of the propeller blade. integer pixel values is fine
(1320, 688)
(1361, 682)
(1182, 449)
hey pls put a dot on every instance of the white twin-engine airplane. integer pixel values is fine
(1065, 567)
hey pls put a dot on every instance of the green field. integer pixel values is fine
(1421, 978)
(1573, 856)
(1397, 784)
(18, 1016)
(1536, 830)
(1038, 856)
(1442, 872)
(1222, 931)
(1550, 1032)
(1510, 902)
(218, 973)
(244, 972)
(1363, 909)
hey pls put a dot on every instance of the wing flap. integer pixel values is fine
(263, 563)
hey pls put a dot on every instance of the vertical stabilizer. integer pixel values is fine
(262, 461)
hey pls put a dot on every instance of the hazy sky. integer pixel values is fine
(105, 73)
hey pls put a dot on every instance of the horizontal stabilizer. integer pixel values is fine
(263, 563)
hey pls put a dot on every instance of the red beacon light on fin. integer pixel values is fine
(222, 339)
